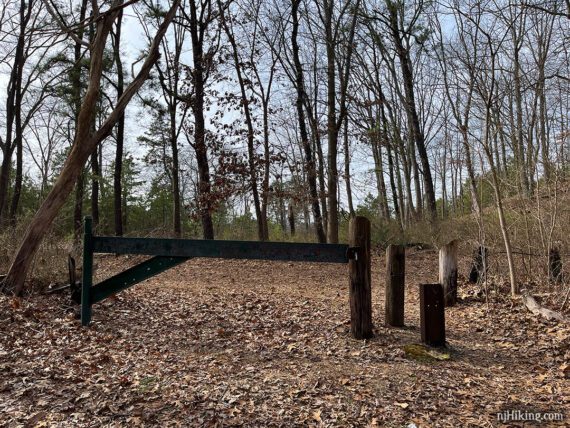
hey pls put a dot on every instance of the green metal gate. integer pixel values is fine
(168, 253)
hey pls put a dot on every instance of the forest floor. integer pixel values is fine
(251, 343)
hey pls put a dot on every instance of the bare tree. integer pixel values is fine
(85, 142)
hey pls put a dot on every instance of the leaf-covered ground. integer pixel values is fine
(246, 343)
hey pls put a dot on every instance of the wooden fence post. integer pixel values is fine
(87, 272)
(395, 280)
(432, 315)
(448, 272)
(360, 279)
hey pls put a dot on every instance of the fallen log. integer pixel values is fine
(532, 305)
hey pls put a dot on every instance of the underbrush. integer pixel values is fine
(50, 263)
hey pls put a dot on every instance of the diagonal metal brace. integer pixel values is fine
(132, 276)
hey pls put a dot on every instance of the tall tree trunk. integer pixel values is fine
(333, 122)
(312, 114)
(407, 167)
(403, 206)
(291, 218)
(18, 178)
(18, 136)
(416, 178)
(475, 206)
(317, 148)
(13, 116)
(266, 171)
(522, 172)
(75, 79)
(411, 109)
(118, 173)
(395, 196)
(347, 168)
(376, 144)
(177, 220)
(244, 102)
(332, 131)
(204, 187)
(5, 180)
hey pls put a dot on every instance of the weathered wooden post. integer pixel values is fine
(360, 279)
(87, 272)
(395, 280)
(448, 272)
(432, 315)
(554, 266)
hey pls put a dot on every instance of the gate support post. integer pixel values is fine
(87, 272)
(360, 279)
(395, 279)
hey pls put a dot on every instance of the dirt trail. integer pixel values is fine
(233, 343)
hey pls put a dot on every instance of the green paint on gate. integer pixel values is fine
(132, 276)
(172, 252)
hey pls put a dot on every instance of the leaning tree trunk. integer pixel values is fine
(95, 174)
(83, 146)
(13, 116)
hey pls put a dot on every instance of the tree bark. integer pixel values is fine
(333, 122)
(95, 174)
(204, 203)
(118, 173)
(13, 115)
(332, 130)
(244, 102)
(411, 109)
(291, 218)
(347, 168)
(301, 95)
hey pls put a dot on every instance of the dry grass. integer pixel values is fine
(50, 263)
